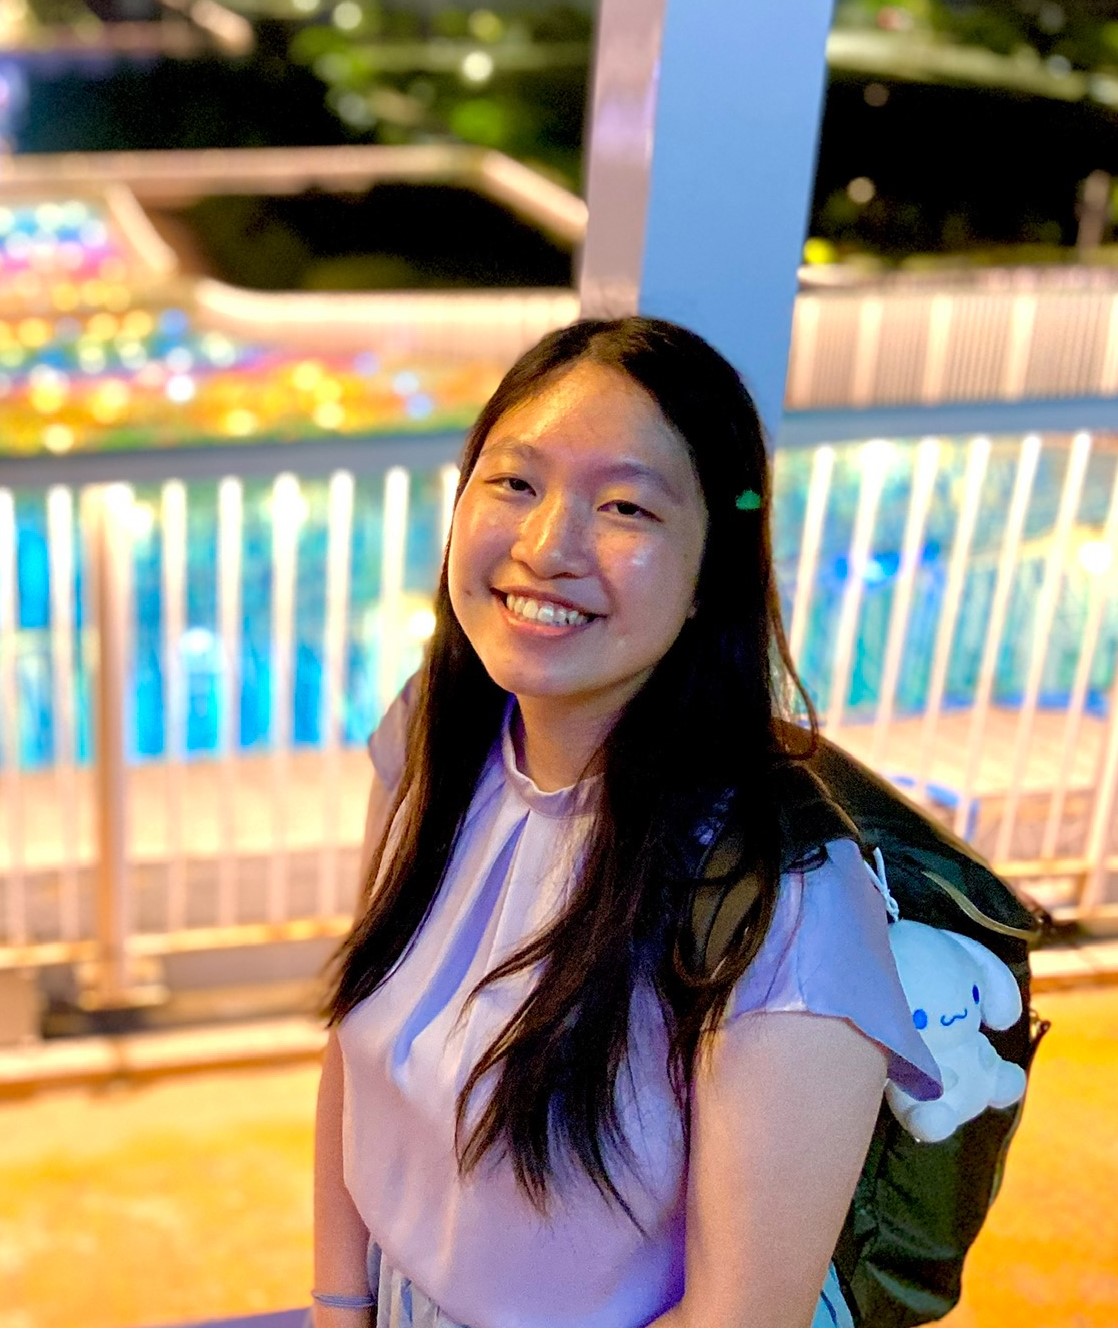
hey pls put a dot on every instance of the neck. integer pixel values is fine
(560, 743)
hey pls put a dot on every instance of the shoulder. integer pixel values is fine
(827, 953)
(388, 743)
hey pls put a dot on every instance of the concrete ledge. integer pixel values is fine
(82, 1060)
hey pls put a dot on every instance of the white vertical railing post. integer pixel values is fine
(11, 779)
(173, 526)
(60, 551)
(230, 506)
(923, 484)
(114, 980)
(819, 488)
(941, 312)
(287, 517)
(873, 459)
(1104, 587)
(448, 487)
(339, 532)
(973, 480)
(1100, 833)
(995, 623)
(867, 350)
(1078, 458)
(392, 561)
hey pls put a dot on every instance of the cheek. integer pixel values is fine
(657, 570)
(477, 541)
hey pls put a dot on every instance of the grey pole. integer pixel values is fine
(704, 128)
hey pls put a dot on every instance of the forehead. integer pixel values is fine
(596, 412)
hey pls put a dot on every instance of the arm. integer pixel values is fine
(783, 1109)
(340, 1237)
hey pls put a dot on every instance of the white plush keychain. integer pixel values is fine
(953, 985)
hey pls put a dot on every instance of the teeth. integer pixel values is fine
(551, 614)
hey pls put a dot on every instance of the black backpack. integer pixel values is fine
(917, 1207)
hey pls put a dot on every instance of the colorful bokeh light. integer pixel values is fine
(98, 354)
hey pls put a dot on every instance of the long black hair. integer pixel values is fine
(706, 730)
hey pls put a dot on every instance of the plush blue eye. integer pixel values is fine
(920, 1019)
(974, 994)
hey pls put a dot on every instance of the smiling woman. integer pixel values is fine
(584, 500)
(533, 1109)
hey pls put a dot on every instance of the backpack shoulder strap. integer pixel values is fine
(730, 880)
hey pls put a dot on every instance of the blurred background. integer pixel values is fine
(261, 261)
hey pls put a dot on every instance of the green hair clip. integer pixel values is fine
(749, 500)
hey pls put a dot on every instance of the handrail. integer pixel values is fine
(161, 176)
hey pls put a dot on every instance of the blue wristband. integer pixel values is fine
(340, 1302)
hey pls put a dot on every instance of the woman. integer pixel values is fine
(531, 1111)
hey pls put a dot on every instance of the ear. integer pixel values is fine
(1000, 1001)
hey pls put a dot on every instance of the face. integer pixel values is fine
(577, 541)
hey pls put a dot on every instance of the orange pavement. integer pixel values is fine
(189, 1197)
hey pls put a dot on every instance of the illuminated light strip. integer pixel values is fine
(1103, 591)
(818, 490)
(230, 506)
(60, 555)
(11, 780)
(873, 464)
(174, 531)
(1027, 461)
(923, 487)
(339, 532)
(287, 513)
(392, 562)
(973, 479)
(1042, 630)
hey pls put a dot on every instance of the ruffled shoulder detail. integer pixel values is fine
(827, 952)
(388, 742)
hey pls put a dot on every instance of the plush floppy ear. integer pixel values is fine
(1000, 999)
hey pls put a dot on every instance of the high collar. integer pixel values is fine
(567, 802)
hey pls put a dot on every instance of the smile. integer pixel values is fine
(545, 612)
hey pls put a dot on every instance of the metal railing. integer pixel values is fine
(925, 339)
(190, 662)
(955, 613)
(188, 670)
(223, 808)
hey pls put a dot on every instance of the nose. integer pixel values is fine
(552, 540)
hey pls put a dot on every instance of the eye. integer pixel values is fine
(920, 1018)
(511, 484)
(625, 508)
(974, 994)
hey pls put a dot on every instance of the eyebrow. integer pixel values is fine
(619, 470)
